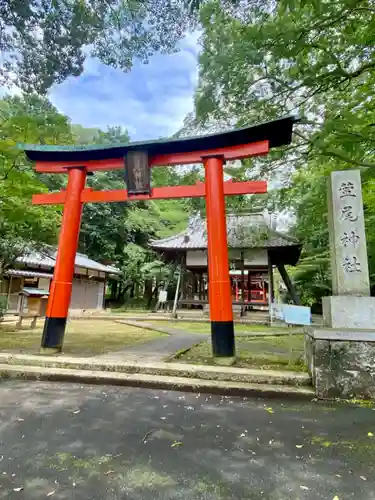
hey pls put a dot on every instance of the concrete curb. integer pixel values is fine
(153, 382)
(187, 371)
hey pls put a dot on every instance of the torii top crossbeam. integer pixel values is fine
(136, 159)
(232, 144)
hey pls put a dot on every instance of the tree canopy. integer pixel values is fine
(44, 41)
(312, 58)
(29, 119)
(115, 233)
(259, 60)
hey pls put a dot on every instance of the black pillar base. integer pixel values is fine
(222, 337)
(53, 333)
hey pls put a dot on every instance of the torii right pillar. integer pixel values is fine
(220, 295)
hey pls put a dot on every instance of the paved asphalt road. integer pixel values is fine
(66, 441)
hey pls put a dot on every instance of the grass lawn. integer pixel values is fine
(283, 352)
(195, 327)
(82, 337)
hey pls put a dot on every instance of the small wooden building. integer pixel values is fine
(255, 248)
(35, 270)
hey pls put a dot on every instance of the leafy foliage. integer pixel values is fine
(45, 41)
(120, 232)
(313, 58)
(116, 233)
(29, 119)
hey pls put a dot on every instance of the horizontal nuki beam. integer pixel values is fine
(158, 193)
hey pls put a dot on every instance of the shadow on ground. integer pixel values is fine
(92, 442)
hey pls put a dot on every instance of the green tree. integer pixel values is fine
(120, 232)
(43, 42)
(22, 225)
(313, 58)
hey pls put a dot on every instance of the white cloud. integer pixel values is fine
(150, 101)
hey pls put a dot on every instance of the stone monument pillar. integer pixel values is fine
(341, 354)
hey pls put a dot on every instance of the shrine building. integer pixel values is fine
(255, 249)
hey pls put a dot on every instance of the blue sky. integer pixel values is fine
(151, 101)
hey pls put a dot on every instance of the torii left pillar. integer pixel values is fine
(61, 287)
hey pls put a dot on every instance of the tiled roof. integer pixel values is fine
(47, 259)
(28, 274)
(244, 231)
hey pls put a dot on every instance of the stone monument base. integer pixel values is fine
(341, 362)
(349, 311)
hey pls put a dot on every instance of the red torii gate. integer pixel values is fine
(211, 150)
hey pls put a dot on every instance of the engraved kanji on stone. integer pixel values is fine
(347, 214)
(350, 238)
(347, 189)
(351, 265)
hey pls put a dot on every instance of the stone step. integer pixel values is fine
(203, 372)
(152, 381)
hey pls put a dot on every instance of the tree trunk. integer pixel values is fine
(114, 286)
(148, 293)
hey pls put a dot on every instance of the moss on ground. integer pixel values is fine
(363, 448)
(83, 337)
(285, 352)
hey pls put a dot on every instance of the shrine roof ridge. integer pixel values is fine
(278, 132)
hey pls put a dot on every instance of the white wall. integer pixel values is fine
(253, 257)
(44, 283)
(196, 258)
(86, 294)
(256, 257)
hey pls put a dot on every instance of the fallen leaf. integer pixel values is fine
(304, 488)
(270, 410)
(18, 489)
(176, 443)
(363, 478)
(109, 472)
(370, 434)
(299, 446)
(51, 493)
